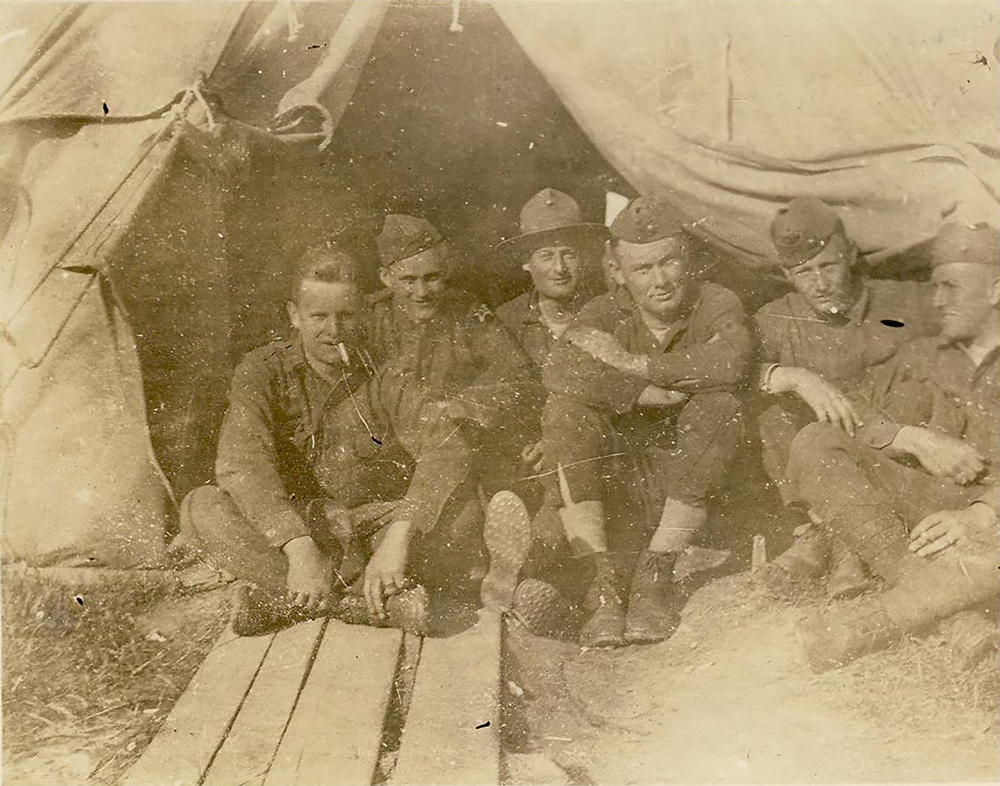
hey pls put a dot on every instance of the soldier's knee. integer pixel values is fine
(206, 509)
(816, 439)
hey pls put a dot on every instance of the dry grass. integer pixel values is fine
(86, 681)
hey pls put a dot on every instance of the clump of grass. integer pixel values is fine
(80, 673)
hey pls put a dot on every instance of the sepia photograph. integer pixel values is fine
(499, 392)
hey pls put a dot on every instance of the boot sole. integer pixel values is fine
(507, 532)
(541, 608)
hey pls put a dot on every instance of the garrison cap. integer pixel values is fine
(550, 213)
(646, 219)
(403, 237)
(957, 242)
(802, 228)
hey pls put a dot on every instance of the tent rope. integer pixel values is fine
(196, 91)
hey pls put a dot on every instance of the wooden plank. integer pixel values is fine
(189, 738)
(336, 727)
(457, 691)
(253, 739)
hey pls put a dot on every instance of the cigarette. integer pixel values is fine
(343, 352)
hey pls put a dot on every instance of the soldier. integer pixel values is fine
(321, 484)
(641, 409)
(915, 493)
(441, 340)
(560, 251)
(815, 346)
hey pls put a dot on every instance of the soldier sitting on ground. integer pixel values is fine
(815, 346)
(641, 424)
(561, 253)
(914, 492)
(334, 471)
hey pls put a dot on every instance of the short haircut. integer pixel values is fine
(324, 262)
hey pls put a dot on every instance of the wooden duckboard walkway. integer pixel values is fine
(307, 707)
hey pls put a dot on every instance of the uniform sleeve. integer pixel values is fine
(765, 333)
(894, 396)
(718, 360)
(570, 371)
(247, 463)
(505, 383)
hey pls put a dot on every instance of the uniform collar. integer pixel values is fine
(856, 314)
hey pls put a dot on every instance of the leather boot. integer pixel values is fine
(834, 638)
(970, 636)
(847, 575)
(603, 603)
(255, 612)
(653, 607)
(542, 608)
(507, 532)
(407, 610)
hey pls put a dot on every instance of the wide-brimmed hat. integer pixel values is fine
(549, 214)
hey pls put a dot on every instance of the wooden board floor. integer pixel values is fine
(308, 706)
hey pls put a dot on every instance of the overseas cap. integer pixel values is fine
(802, 228)
(403, 237)
(645, 219)
(547, 213)
(977, 243)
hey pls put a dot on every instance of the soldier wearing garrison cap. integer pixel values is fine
(561, 252)
(332, 471)
(915, 492)
(640, 424)
(815, 346)
(446, 356)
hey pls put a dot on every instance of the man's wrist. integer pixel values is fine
(981, 514)
(299, 545)
(781, 379)
(908, 439)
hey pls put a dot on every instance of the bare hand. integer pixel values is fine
(385, 574)
(947, 528)
(605, 348)
(825, 400)
(310, 575)
(531, 455)
(655, 396)
(942, 455)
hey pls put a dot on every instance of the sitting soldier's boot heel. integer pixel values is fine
(653, 605)
(255, 612)
(834, 638)
(970, 637)
(603, 603)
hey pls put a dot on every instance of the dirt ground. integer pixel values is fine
(728, 699)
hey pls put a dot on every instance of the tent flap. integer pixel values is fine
(731, 108)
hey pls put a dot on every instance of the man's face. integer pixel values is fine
(326, 314)
(418, 284)
(827, 281)
(655, 274)
(965, 296)
(555, 270)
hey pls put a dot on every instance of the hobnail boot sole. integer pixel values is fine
(507, 532)
(541, 608)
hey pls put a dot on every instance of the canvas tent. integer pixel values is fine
(161, 162)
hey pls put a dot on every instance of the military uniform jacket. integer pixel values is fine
(275, 433)
(935, 379)
(886, 316)
(707, 349)
(461, 354)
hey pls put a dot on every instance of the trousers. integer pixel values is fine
(634, 462)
